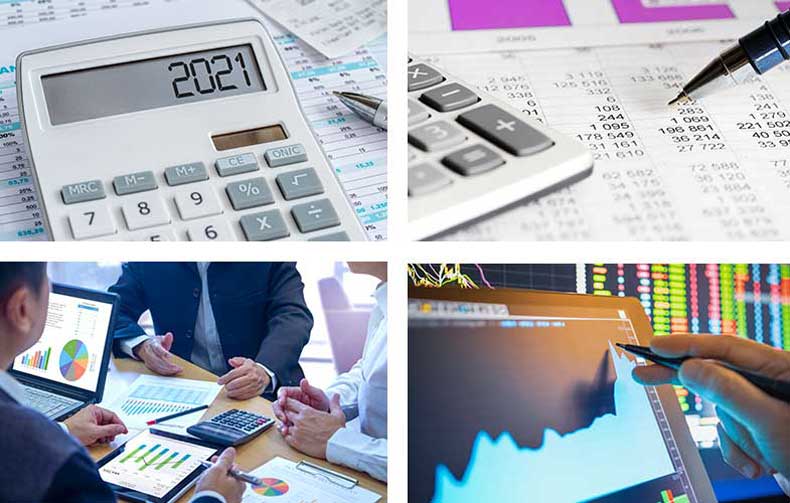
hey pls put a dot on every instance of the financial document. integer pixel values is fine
(713, 170)
(333, 27)
(356, 150)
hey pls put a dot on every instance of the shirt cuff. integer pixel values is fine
(65, 428)
(273, 378)
(128, 344)
(209, 494)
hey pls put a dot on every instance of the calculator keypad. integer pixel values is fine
(249, 193)
(143, 212)
(417, 113)
(186, 173)
(198, 203)
(422, 76)
(301, 183)
(154, 235)
(425, 178)
(283, 156)
(81, 192)
(449, 97)
(315, 216)
(505, 130)
(473, 160)
(134, 183)
(236, 164)
(216, 229)
(91, 221)
(438, 135)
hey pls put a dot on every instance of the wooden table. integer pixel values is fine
(250, 455)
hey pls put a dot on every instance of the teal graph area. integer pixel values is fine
(155, 457)
(616, 451)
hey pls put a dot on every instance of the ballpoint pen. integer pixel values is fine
(755, 54)
(772, 387)
(237, 474)
(370, 108)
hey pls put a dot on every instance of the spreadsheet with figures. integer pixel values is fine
(717, 169)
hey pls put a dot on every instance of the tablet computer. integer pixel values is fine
(520, 395)
(156, 467)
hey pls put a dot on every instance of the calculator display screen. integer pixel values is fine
(152, 83)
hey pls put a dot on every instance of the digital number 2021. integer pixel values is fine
(204, 76)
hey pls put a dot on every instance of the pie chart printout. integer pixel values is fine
(271, 487)
(74, 360)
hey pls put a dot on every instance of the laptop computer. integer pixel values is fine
(67, 368)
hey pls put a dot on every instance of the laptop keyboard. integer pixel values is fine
(49, 404)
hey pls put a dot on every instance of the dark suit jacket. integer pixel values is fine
(259, 309)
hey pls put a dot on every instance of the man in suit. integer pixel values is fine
(42, 462)
(246, 322)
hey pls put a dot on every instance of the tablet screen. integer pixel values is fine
(154, 465)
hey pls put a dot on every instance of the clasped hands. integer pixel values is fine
(246, 380)
(308, 417)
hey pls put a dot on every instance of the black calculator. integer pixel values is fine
(232, 427)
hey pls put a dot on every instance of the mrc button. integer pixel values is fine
(82, 191)
(282, 156)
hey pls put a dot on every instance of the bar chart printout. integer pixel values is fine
(783, 5)
(501, 14)
(153, 464)
(656, 11)
(151, 397)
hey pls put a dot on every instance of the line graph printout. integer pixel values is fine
(569, 392)
(713, 170)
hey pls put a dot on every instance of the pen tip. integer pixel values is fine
(680, 97)
(337, 93)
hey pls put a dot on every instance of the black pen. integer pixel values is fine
(772, 387)
(177, 414)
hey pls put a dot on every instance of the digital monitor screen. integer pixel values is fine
(148, 84)
(71, 348)
(535, 401)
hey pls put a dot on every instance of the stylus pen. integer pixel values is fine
(755, 54)
(370, 108)
(772, 387)
(237, 474)
(177, 414)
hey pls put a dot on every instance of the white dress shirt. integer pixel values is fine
(207, 351)
(362, 443)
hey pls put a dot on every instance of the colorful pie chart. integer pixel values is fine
(73, 360)
(271, 487)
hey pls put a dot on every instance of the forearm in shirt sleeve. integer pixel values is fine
(349, 447)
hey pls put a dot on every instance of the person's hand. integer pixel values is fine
(754, 430)
(311, 429)
(155, 353)
(305, 393)
(246, 380)
(94, 425)
(217, 479)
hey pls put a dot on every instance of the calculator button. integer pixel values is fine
(249, 193)
(450, 97)
(156, 235)
(282, 156)
(264, 226)
(417, 113)
(186, 173)
(210, 230)
(436, 136)
(302, 183)
(91, 221)
(422, 76)
(315, 216)
(134, 182)
(505, 130)
(197, 204)
(337, 236)
(143, 212)
(473, 160)
(83, 191)
(425, 178)
(234, 165)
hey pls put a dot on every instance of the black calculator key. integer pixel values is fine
(449, 98)
(473, 160)
(422, 76)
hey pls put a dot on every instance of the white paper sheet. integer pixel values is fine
(287, 484)
(152, 397)
(335, 28)
(715, 170)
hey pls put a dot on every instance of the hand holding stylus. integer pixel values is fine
(754, 431)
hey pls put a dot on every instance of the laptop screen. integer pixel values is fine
(71, 348)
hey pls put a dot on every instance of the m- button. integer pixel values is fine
(82, 191)
(282, 156)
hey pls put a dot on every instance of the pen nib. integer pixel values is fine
(681, 97)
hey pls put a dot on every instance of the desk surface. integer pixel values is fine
(250, 455)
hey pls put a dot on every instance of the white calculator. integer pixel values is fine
(471, 154)
(190, 133)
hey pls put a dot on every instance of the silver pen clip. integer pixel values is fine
(333, 477)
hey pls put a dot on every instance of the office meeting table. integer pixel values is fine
(270, 444)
